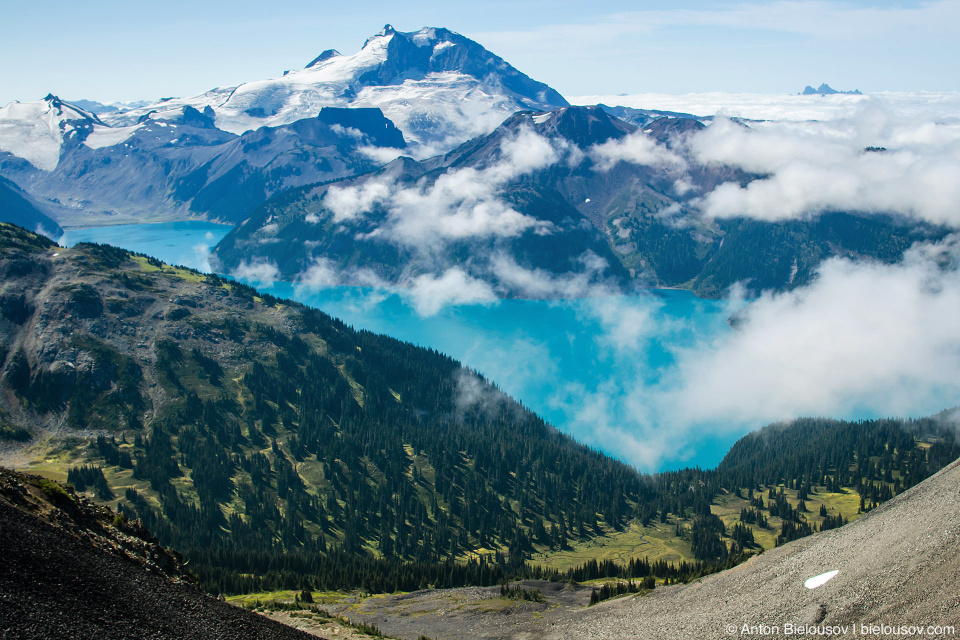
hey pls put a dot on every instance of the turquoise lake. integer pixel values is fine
(584, 365)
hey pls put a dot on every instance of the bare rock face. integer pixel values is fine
(70, 569)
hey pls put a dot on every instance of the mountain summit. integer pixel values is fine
(826, 90)
(36, 131)
(438, 86)
(431, 50)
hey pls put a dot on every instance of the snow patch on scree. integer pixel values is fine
(820, 580)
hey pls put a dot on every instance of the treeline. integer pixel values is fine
(612, 590)
(241, 572)
(785, 254)
(767, 255)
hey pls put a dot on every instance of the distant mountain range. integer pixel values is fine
(439, 87)
(184, 165)
(826, 90)
(99, 108)
(221, 153)
(587, 214)
(422, 158)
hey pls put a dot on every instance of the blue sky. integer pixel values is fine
(108, 50)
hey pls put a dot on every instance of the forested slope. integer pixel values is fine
(229, 420)
(273, 445)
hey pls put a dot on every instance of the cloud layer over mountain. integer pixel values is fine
(864, 339)
(462, 203)
(873, 162)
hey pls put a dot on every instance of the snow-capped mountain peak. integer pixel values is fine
(35, 131)
(439, 87)
(386, 32)
(69, 112)
(323, 57)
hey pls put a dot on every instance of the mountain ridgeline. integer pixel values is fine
(18, 207)
(276, 447)
(185, 164)
(426, 157)
(619, 224)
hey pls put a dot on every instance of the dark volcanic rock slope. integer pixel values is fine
(59, 580)
(18, 207)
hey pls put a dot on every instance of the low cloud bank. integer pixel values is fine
(538, 283)
(862, 339)
(874, 162)
(429, 294)
(636, 148)
(873, 157)
(862, 335)
(929, 105)
(260, 273)
(324, 273)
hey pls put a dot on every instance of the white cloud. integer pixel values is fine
(346, 131)
(636, 148)
(260, 272)
(595, 420)
(785, 107)
(682, 186)
(429, 294)
(814, 167)
(862, 339)
(862, 335)
(321, 274)
(625, 325)
(460, 204)
(41, 230)
(349, 203)
(201, 257)
(475, 393)
(539, 283)
(383, 155)
(521, 154)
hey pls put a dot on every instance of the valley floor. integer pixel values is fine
(897, 567)
(450, 614)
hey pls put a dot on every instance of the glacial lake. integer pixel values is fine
(583, 365)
